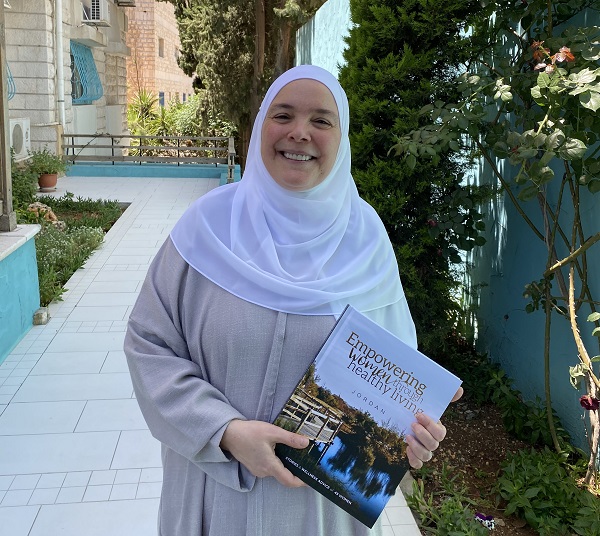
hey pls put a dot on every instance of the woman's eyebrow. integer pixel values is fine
(284, 106)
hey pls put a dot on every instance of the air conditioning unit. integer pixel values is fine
(20, 138)
(95, 12)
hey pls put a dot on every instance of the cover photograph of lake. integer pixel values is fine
(352, 460)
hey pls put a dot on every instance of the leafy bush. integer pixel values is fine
(399, 56)
(449, 517)
(60, 254)
(541, 488)
(80, 212)
(44, 161)
(24, 185)
(526, 420)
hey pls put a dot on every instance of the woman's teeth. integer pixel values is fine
(293, 156)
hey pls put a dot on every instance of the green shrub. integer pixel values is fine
(399, 57)
(44, 161)
(80, 212)
(526, 420)
(450, 516)
(541, 488)
(24, 186)
(60, 254)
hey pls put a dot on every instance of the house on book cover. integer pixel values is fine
(355, 403)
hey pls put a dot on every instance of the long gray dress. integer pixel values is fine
(200, 357)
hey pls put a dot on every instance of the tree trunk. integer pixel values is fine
(283, 60)
(259, 58)
(591, 475)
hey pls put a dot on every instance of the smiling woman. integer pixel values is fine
(236, 305)
(301, 135)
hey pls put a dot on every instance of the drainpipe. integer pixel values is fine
(60, 68)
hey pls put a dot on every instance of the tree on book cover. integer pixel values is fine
(356, 403)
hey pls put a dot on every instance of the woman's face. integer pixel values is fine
(301, 135)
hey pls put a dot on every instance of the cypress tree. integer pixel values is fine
(401, 56)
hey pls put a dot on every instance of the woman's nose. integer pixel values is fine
(299, 132)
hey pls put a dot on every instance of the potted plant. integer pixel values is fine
(47, 165)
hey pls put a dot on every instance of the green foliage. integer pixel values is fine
(525, 420)
(220, 44)
(82, 212)
(448, 514)
(398, 56)
(59, 254)
(24, 186)
(528, 106)
(193, 118)
(61, 250)
(474, 369)
(541, 488)
(44, 161)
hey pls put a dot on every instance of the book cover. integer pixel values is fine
(356, 403)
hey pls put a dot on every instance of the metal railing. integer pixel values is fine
(171, 150)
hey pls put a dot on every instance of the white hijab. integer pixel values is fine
(310, 252)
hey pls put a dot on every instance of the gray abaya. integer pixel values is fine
(200, 357)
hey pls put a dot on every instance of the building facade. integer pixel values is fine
(67, 62)
(153, 38)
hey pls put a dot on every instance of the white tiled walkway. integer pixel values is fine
(76, 458)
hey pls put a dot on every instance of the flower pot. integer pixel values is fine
(47, 181)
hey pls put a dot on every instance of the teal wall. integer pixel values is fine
(512, 257)
(19, 295)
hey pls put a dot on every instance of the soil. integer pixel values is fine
(475, 446)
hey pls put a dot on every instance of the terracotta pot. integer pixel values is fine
(47, 181)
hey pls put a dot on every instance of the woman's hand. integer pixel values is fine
(252, 443)
(427, 436)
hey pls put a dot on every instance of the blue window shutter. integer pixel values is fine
(85, 80)
(12, 89)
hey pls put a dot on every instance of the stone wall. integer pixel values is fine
(150, 22)
(31, 54)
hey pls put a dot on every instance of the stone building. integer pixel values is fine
(67, 61)
(153, 38)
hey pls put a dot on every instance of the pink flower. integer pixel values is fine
(564, 54)
(589, 402)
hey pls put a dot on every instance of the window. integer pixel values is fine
(85, 82)
(161, 98)
(183, 97)
(12, 89)
(161, 47)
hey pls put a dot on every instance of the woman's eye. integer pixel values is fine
(281, 117)
(323, 122)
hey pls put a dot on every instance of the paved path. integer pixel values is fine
(76, 457)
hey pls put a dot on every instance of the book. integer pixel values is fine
(356, 404)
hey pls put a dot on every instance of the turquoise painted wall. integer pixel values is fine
(19, 295)
(512, 257)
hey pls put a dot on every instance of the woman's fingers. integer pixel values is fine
(252, 443)
(426, 438)
(458, 394)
